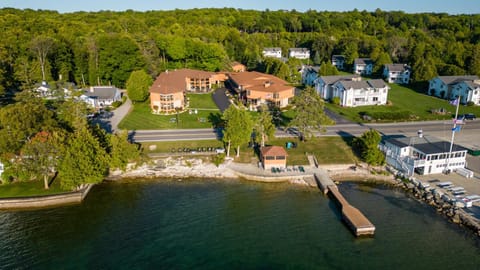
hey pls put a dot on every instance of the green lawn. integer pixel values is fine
(29, 188)
(202, 101)
(142, 118)
(402, 98)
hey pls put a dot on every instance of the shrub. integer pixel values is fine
(391, 115)
(116, 104)
(336, 100)
(218, 159)
(470, 103)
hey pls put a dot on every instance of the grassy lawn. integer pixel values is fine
(142, 118)
(403, 98)
(328, 150)
(29, 188)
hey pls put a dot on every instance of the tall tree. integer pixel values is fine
(264, 126)
(41, 154)
(42, 47)
(137, 85)
(84, 161)
(310, 116)
(122, 151)
(238, 128)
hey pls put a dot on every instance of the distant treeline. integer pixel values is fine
(104, 47)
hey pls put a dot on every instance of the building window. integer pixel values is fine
(270, 158)
(280, 157)
(276, 95)
(375, 98)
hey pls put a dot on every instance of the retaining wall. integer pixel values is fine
(45, 201)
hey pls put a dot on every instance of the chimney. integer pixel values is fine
(420, 133)
(266, 84)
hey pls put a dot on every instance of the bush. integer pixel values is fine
(116, 104)
(336, 100)
(218, 159)
(391, 115)
(470, 103)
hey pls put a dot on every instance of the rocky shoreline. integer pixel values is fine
(450, 209)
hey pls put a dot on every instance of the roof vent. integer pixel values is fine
(420, 133)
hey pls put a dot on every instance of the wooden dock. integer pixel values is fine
(355, 220)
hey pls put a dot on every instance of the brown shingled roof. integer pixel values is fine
(273, 151)
(170, 82)
(257, 81)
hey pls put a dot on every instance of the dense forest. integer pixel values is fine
(105, 47)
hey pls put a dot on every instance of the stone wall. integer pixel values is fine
(45, 201)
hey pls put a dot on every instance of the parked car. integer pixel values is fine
(467, 116)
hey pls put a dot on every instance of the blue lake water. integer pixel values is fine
(212, 224)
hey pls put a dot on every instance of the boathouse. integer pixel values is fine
(273, 156)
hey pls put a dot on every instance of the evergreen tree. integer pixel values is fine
(367, 147)
(84, 161)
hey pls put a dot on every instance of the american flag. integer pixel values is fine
(454, 102)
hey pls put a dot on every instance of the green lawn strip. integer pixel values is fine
(29, 188)
(328, 150)
(201, 101)
(169, 147)
(403, 98)
(142, 118)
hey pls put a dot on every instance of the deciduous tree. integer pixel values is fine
(238, 128)
(310, 116)
(138, 84)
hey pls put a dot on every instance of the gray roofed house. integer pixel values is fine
(324, 84)
(361, 93)
(443, 87)
(397, 73)
(363, 66)
(423, 154)
(338, 61)
(300, 53)
(101, 96)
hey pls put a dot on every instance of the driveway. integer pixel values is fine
(110, 120)
(220, 98)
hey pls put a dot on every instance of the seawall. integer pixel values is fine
(45, 201)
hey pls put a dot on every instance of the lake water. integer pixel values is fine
(200, 224)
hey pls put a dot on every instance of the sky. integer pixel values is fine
(408, 6)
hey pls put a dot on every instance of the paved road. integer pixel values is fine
(468, 136)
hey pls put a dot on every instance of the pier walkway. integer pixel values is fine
(356, 221)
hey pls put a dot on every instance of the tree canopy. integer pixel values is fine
(310, 116)
(238, 128)
(138, 84)
(105, 47)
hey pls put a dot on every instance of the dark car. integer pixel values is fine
(468, 116)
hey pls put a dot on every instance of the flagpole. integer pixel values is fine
(453, 135)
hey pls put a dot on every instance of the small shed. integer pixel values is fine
(273, 156)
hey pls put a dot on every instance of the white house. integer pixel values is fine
(309, 74)
(338, 61)
(299, 53)
(363, 66)
(2, 169)
(275, 52)
(101, 96)
(397, 73)
(441, 86)
(468, 91)
(423, 155)
(361, 93)
(324, 84)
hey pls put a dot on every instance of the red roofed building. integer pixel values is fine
(256, 88)
(168, 90)
(273, 156)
